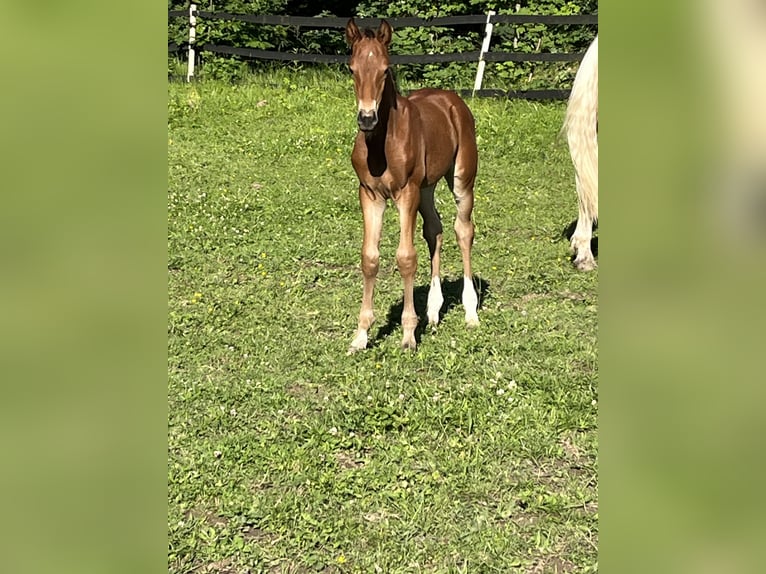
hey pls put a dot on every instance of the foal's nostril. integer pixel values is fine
(367, 119)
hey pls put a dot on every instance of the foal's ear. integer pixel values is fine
(352, 32)
(384, 33)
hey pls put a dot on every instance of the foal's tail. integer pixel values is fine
(581, 126)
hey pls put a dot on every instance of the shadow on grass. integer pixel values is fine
(452, 290)
(569, 231)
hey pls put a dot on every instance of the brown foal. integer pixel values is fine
(403, 148)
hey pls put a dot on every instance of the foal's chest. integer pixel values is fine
(383, 174)
(386, 186)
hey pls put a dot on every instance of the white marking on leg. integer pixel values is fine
(470, 302)
(435, 300)
(359, 343)
(580, 244)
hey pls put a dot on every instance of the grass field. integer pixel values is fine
(476, 453)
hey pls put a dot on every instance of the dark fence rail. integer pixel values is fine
(517, 94)
(403, 22)
(395, 58)
(447, 21)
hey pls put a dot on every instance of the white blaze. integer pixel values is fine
(365, 107)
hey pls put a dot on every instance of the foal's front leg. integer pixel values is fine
(372, 213)
(407, 260)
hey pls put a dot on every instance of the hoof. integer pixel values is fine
(585, 264)
(471, 320)
(409, 345)
(359, 343)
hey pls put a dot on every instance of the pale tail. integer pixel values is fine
(581, 127)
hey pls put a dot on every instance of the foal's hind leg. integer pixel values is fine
(432, 233)
(460, 180)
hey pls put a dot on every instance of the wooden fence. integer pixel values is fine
(481, 56)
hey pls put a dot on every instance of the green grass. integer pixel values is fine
(476, 453)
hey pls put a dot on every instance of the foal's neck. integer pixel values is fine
(390, 92)
(388, 105)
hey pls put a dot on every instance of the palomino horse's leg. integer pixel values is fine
(432, 232)
(461, 184)
(372, 212)
(407, 260)
(580, 242)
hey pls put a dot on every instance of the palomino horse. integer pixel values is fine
(581, 125)
(403, 148)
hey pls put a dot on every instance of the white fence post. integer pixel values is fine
(484, 50)
(192, 38)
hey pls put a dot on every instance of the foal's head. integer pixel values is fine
(369, 64)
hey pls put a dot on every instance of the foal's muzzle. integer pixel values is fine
(367, 119)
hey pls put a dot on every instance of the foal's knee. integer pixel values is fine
(407, 260)
(370, 263)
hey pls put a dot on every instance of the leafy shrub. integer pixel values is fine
(527, 38)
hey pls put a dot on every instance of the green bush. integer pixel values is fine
(527, 38)
(230, 33)
(535, 38)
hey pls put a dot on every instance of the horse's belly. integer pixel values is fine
(436, 168)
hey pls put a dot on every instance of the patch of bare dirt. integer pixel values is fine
(552, 565)
(207, 516)
(306, 390)
(224, 566)
(348, 462)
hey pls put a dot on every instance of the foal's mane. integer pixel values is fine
(394, 84)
